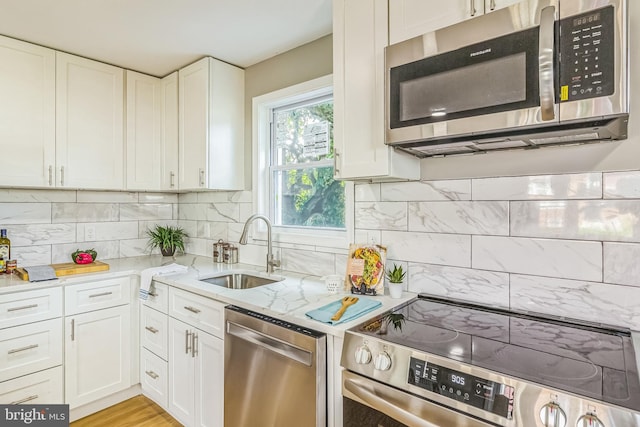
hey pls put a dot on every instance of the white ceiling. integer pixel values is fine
(159, 36)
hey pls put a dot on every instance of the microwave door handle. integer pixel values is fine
(546, 61)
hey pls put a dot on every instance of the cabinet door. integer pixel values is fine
(181, 372)
(412, 18)
(97, 354)
(153, 331)
(169, 132)
(144, 151)
(211, 126)
(27, 114)
(89, 124)
(359, 39)
(209, 382)
(193, 113)
(153, 377)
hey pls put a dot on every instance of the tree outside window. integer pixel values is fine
(304, 193)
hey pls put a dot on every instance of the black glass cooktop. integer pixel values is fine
(576, 357)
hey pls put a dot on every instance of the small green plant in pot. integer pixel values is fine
(167, 238)
(396, 278)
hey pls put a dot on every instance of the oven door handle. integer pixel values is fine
(402, 407)
(546, 61)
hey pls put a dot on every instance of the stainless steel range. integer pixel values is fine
(442, 363)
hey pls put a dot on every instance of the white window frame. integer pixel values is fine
(261, 138)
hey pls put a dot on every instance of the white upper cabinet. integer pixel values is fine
(27, 114)
(211, 126)
(360, 34)
(143, 132)
(411, 18)
(169, 132)
(89, 124)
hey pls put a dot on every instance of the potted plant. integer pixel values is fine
(396, 280)
(167, 238)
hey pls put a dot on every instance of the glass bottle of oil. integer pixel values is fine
(5, 245)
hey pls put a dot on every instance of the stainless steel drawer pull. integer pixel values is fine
(152, 374)
(18, 350)
(102, 294)
(50, 175)
(73, 329)
(151, 329)
(192, 309)
(153, 294)
(172, 176)
(26, 399)
(24, 307)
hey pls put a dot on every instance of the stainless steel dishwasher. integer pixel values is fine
(274, 372)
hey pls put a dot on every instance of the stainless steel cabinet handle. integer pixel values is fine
(172, 176)
(152, 374)
(18, 350)
(201, 177)
(50, 175)
(26, 399)
(24, 307)
(151, 329)
(192, 309)
(492, 5)
(62, 176)
(73, 329)
(254, 337)
(194, 344)
(472, 8)
(101, 294)
(187, 341)
(546, 60)
(153, 294)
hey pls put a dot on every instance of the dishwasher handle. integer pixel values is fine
(270, 343)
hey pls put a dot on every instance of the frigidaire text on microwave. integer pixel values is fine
(538, 73)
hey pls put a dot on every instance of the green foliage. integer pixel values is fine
(166, 237)
(310, 196)
(396, 275)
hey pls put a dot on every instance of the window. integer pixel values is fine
(293, 167)
(303, 191)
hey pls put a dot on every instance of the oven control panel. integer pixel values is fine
(475, 391)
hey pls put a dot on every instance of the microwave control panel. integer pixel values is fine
(587, 46)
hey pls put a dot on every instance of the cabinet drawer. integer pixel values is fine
(97, 295)
(158, 297)
(196, 310)
(29, 348)
(153, 377)
(153, 331)
(32, 306)
(41, 388)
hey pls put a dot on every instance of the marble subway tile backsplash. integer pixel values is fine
(46, 226)
(565, 244)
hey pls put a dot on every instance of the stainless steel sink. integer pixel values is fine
(240, 280)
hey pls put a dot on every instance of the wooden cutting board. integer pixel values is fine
(69, 268)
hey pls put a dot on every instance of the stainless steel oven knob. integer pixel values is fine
(552, 415)
(589, 420)
(382, 362)
(363, 355)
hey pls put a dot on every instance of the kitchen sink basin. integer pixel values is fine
(241, 280)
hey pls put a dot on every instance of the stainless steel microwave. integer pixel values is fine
(537, 73)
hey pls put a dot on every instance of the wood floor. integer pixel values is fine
(136, 412)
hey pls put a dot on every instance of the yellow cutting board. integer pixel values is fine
(68, 268)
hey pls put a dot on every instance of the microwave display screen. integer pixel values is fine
(481, 85)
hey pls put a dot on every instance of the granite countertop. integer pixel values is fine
(288, 299)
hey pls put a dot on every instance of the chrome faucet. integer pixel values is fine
(272, 263)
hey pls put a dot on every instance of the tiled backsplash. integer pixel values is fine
(565, 245)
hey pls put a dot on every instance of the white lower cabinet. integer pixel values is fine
(40, 388)
(196, 387)
(153, 377)
(97, 354)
